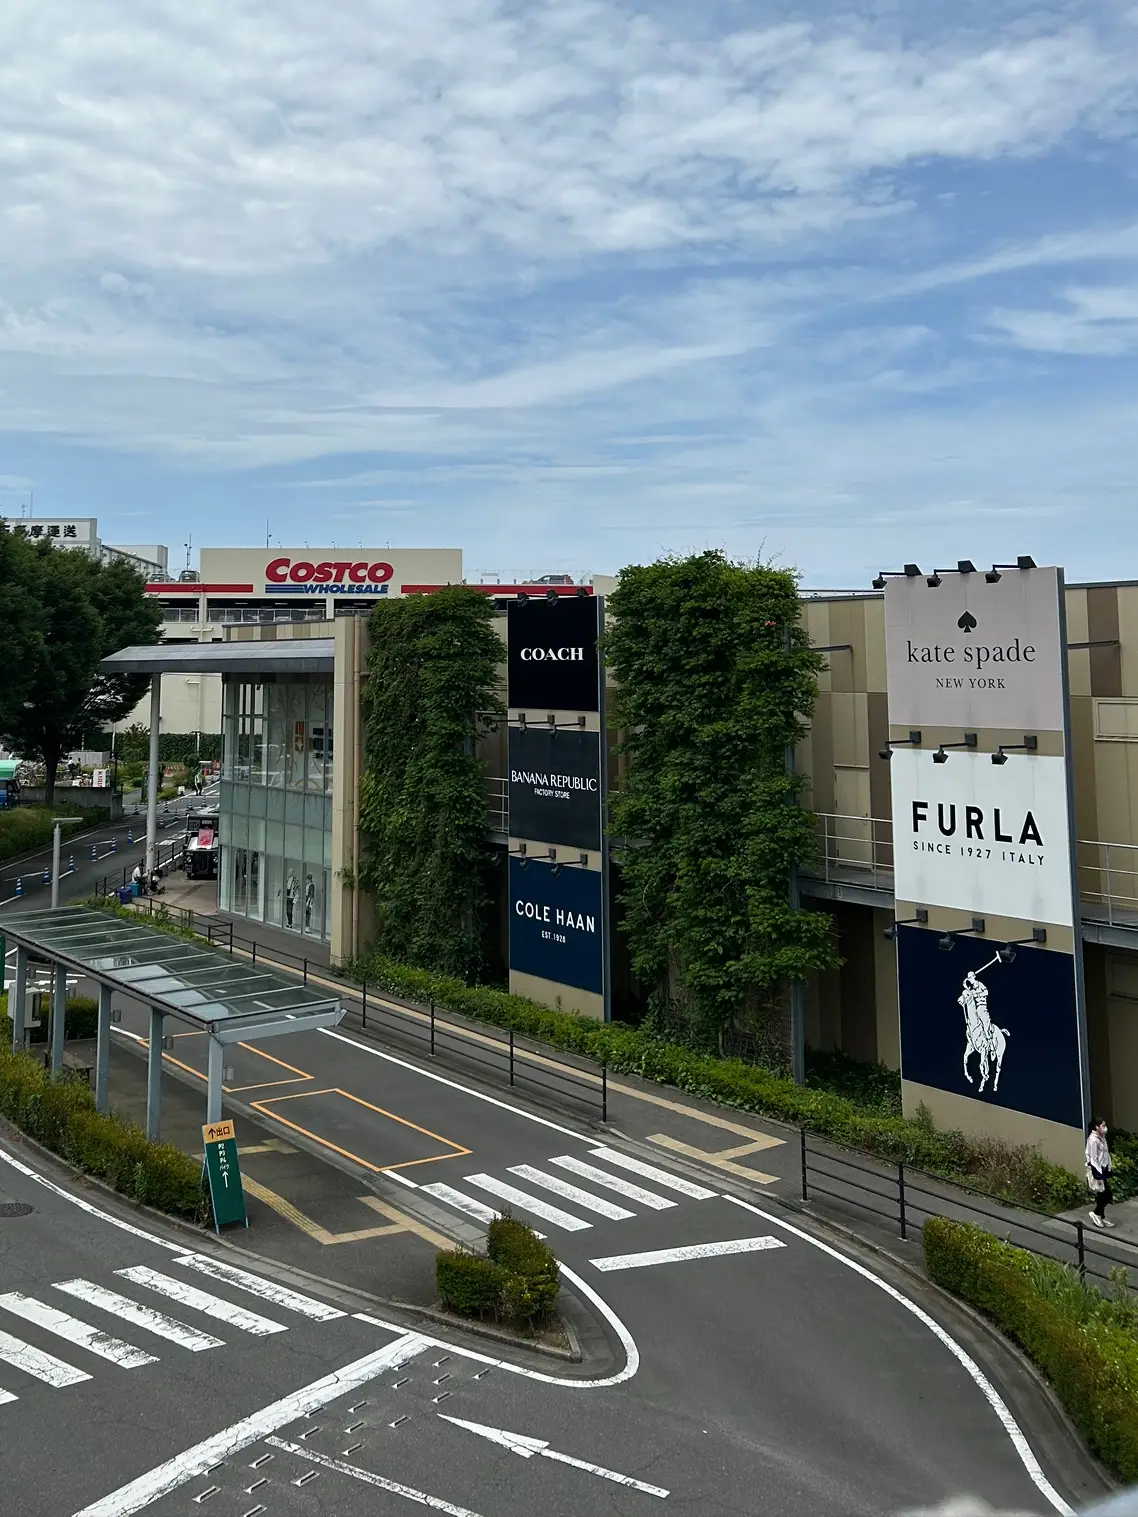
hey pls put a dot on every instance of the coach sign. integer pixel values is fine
(966, 652)
(553, 662)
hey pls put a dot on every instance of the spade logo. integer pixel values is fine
(967, 622)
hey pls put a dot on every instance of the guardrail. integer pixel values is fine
(1108, 879)
(862, 845)
(903, 1197)
(445, 1037)
(498, 803)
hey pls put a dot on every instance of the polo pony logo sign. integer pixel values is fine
(981, 1036)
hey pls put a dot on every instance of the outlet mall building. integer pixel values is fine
(972, 761)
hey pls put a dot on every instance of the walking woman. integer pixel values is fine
(1098, 1173)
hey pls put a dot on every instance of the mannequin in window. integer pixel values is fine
(309, 901)
(292, 895)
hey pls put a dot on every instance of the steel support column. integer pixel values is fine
(103, 1052)
(154, 1077)
(152, 775)
(215, 1070)
(18, 999)
(58, 1018)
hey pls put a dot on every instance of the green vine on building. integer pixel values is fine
(716, 683)
(432, 688)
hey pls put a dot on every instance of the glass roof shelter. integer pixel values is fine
(228, 998)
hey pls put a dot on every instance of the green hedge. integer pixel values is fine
(80, 1020)
(133, 745)
(1085, 1343)
(1020, 1175)
(61, 1115)
(516, 1278)
(25, 828)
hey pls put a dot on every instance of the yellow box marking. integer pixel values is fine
(458, 1151)
(721, 1160)
(306, 1225)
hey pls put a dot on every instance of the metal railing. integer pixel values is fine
(255, 615)
(903, 1197)
(861, 845)
(1108, 881)
(498, 803)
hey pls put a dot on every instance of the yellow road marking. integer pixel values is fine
(721, 1160)
(306, 1225)
(459, 1151)
(409, 1224)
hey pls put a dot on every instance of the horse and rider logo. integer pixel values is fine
(981, 1036)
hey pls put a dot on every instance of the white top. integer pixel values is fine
(1098, 1154)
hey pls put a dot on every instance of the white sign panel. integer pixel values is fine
(970, 654)
(989, 839)
(304, 572)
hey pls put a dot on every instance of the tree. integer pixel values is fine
(716, 682)
(80, 610)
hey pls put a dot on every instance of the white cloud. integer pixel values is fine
(1098, 322)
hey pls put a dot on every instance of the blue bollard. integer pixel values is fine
(19, 886)
(130, 834)
(71, 863)
(94, 851)
(114, 845)
(47, 876)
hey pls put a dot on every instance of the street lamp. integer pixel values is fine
(58, 824)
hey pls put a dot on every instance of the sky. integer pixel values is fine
(575, 284)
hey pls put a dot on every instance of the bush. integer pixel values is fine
(26, 828)
(61, 1115)
(516, 1279)
(1019, 1175)
(81, 1020)
(1085, 1343)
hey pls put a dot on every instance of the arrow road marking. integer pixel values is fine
(691, 1251)
(519, 1443)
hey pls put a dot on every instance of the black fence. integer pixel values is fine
(443, 1036)
(903, 1197)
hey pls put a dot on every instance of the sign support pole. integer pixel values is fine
(18, 1000)
(214, 1067)
(606, 873)
(103, 1051)
(154, 1076)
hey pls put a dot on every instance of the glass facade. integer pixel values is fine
(276, 802)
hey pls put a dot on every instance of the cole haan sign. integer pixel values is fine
(989, 839)
(970, 654)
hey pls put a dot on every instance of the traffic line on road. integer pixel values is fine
(723, 1158)
(312, 1229)
(174, 1473)
(268, 1290)
(572, 1193)
(522, 1198)
(689, 1251)
(73, 1331)
(201, 1301)
(33, 1361)
(616, 1183)
(140, 1316)
(526, 1447)
(368, 1477)
(650, 1172)
(476, 1209)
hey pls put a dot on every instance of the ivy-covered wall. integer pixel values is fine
(431, 690)
(716, 682)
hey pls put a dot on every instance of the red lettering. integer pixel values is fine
(357, 573)
(301, 573)
(339, 570)
(378, 574)
(277, 571)
(323, 574)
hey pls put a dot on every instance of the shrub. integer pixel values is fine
(1019, 1175)
(61, 1115)
(1086, 1343)
(469, 1284)
(81, 1020)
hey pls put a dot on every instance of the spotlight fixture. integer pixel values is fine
(899, 742)
(992, 575)
(1007, 953)
(921, 919)
(879, 582)
(582, 592)
(912, 571)
(948, 941)
(521, 597)
(552, 595)
(1025, 561)
(941, 755)
(1030, 744)
(934, 580)
(965, 566)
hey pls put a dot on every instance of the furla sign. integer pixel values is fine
(970, 653)
(990, 839)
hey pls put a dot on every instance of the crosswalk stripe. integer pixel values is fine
(477, 1209)
(572, 1193)
(618, 1183)
(201, 1301)
(32, 1361)
(81, 1334)
(6, 1396)
(279, 1295)
(140, 1316)
(530, 1203)
(650, 1172)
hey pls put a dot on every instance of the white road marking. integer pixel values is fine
(519, 1443)
(476, 1209)
(987, 1389)
(573, 1193)
(342, 1467)
(81, 1334)
(201, 1301)
(46, 1367)
(6, 1396)
(650, 1172)
(617, 1183)
(94, 1211)
(523, 1199)
(279, 1295)
(393, 1174)
(159, 1482)
(692, 1251)
(140, 1316)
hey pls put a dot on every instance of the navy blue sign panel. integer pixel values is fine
(1005, 1033)
(555, 924)
(555, 786)
(552, 659)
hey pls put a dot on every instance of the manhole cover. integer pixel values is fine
(14, 1209)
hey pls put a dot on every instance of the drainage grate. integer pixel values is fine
(15, 1209)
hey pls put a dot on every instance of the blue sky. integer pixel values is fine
(573, 284)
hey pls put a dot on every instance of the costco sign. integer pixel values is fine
(300, 576)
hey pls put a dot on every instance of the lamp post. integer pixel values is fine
(58, 824)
